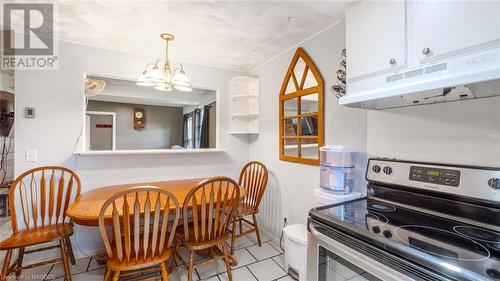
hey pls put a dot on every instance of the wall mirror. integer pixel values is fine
(301, 111)
(126, 116)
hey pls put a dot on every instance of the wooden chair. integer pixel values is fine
(253, 178)
(207, 213)
(143, 222)
(42, 195)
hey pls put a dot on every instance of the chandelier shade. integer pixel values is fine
(162, 76)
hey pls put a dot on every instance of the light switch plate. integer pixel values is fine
(30, 155)
(29, 112)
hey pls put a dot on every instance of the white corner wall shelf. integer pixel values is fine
(243, 105)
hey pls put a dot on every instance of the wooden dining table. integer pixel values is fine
(85, 210)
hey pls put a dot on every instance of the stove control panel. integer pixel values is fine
(435, 175)
(468, 181)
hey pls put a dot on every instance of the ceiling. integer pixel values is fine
(236, 35)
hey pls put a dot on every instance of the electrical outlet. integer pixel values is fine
(30, 155)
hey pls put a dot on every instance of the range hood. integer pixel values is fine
(460, 78)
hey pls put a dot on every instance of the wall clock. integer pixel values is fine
(139, 118)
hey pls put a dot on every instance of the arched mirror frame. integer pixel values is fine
(301, 90)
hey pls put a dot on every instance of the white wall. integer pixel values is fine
(463, 132)
(295, 182)
(58, 99)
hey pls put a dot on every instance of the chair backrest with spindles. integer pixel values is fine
(39, 197)
(209, 209)
(253, 178)
(143, 223)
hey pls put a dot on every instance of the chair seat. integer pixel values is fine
(132, 264)
(37, 236)
(245, 209)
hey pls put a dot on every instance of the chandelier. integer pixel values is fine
(162, 76)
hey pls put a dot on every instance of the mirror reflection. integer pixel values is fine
(309, 104)
(125, 116)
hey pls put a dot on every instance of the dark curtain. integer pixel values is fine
(197, 128)
(185, 140)
(204, 138)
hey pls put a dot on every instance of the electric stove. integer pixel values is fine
(420, 221)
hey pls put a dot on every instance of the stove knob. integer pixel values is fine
(388, 170)
(494, 183)
(387, 234)
(376, 169)
(376, 229)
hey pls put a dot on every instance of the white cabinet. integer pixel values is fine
(244, 105)
(450, 28)
(375, 37)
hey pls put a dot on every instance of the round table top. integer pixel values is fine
(85, 210)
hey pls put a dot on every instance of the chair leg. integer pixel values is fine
(6, 264)
(226, 261)
(233, 236)
(241, 225)
(116, 276)
(70, 251)
(174, 256)
(190, 268)
(64, 256)
(256, 227)
(20, 257)
(107, 274)
(164, 271)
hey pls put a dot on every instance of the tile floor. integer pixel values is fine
(254, 264)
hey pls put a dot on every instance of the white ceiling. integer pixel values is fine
(235, 35)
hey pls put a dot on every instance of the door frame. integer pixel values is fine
(113, 116)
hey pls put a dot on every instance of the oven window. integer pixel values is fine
(334, 268)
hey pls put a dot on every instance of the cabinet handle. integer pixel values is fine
(392, 61)
(426, 51)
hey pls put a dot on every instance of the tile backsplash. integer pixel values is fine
(462, 132)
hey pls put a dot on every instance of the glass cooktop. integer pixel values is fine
(462, 251)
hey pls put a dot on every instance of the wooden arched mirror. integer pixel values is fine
(301, 111)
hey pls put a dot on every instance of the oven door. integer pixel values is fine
(331, 260)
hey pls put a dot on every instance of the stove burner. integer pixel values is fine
(477, 233)
(441, 243)
(381, 207)
(360, 216)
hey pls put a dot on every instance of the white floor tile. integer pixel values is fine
(253, 237)
(276, 245)
(81, 266)
(179, 273)
(37, 273)
(241, 242)
(286, 278)
(266, 270)
(94, 265)
(243, 257)
(240, 274)
(264, 252)
(212, 268)
(96, 275)
(280, 260)
(215, 278)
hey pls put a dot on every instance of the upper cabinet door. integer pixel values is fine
(449, 28)
(376, 37)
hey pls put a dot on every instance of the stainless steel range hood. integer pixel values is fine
(461, 78)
